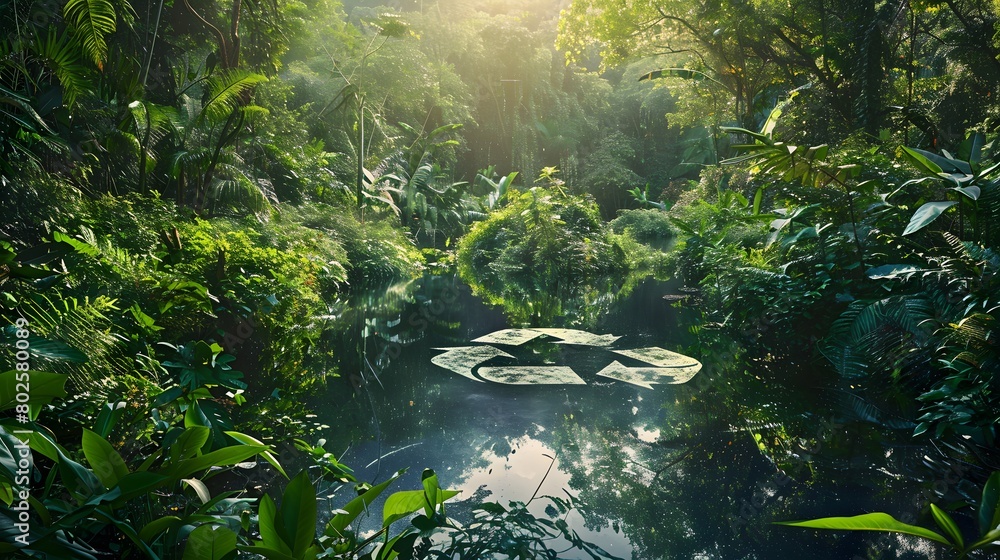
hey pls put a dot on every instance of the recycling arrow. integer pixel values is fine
(462, 359)
(583, 338)
(648, 376)
(659, 357)
(510, 337)
(531, 375)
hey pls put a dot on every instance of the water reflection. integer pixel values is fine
(577, 305)
(691, 471)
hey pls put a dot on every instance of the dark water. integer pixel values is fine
(697, 471)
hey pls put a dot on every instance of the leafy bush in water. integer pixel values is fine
(649, 226)
(540, 243)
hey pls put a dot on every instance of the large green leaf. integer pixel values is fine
(401, 504)
(267, 515)
(933, 164)
(927, 214)
(139, 483)
(218, 458)
(947, 524)
(199, 489)
(157, 526)
(989, 505)
(882, 522)
(210, 542)
(971, 148)
(405, 503)
(107, 464)
(108, 417)
(92, 21)
(225, 92)
(296, 520)
(267, 455)
(775, 114)
(987, 540)
(972, 192)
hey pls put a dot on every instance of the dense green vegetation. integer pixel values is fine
(193, 194)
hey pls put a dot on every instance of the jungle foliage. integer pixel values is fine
(190, 194)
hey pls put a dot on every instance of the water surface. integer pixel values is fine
(675, 472)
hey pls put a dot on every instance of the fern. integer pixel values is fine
(973, 340)
(92, 21)
(19, 123)
(867, 411)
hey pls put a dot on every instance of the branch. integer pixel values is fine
(223, 50)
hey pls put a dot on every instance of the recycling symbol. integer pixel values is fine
(663, 367)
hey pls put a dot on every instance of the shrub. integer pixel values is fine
(376, 250)
(649, 226)
(541, 247)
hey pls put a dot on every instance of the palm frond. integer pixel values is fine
(82, 325)
(867, 411)
(92, 21)
(241, 191)
(882, 335)
(61, 55)
(225, 91)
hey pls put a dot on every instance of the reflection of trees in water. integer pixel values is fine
(369, 332)
(579, 305)
(729, 460)
(680, 499)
